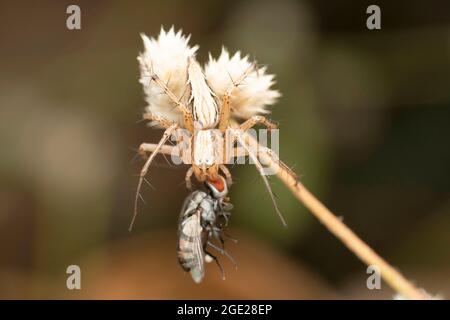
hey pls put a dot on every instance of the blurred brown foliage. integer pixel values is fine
(363, 118)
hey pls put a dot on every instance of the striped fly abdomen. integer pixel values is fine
(197, 225)
(191, 238)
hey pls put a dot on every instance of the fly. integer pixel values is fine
(198, 225)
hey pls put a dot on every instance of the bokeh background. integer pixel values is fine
(364, 118)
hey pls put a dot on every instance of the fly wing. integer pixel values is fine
(191, 247)
(198, 252)
(198, 271)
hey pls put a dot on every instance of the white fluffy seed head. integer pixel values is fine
(253, 94)
(167, 57)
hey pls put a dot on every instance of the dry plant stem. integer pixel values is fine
(344, 233)
(353, 242)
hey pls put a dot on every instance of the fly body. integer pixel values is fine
(198, 226)
(191, 240)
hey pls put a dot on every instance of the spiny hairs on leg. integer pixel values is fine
(237, 82)
(167, 133)
(187, 115)
(280, 163)
(263, 176)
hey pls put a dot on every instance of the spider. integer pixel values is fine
(206, 104)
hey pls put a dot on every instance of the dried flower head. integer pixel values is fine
(168, 57)
(254, 94)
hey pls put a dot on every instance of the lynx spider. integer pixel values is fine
(207, 119)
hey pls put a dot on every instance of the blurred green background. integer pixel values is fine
(364, 119)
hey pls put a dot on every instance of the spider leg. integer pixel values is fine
(261, 172)
(246, 125)
(225, 106)
(224, 115)
(144, 170)
(150, 147)
(277, 160)
(249, 123)
(237, 152)
(187, 114)
(158, 119)
(240, 152)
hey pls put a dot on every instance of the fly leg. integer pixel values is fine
(218, 263)
(229, 237)
(226, 216)
(223, 252)
(217, 234)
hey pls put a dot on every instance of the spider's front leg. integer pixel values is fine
(150, 147)
(249, 123)
(167, 133)
(187, 114)
(161, 121)
(238, 134)
(224, 113)
(225, 105)
(145, 148)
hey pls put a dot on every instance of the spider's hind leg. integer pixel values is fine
(187, 114)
